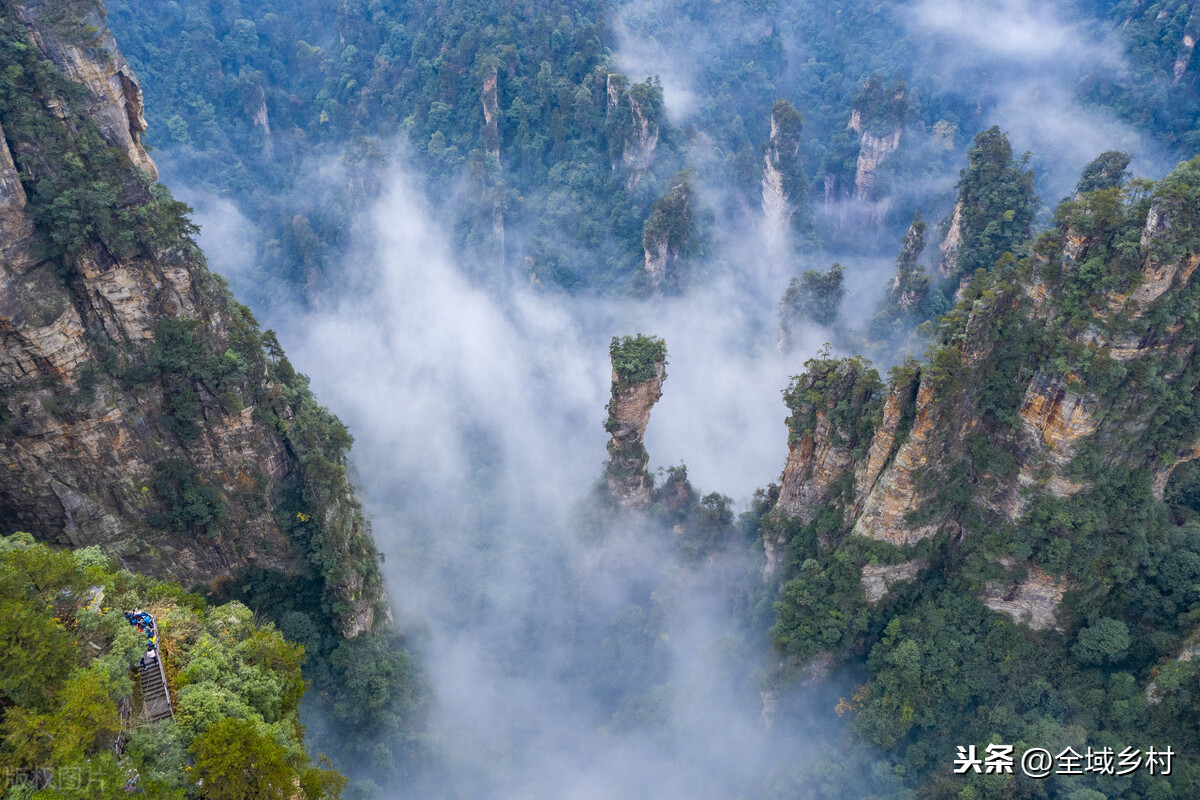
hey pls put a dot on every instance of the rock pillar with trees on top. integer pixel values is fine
(639, 367)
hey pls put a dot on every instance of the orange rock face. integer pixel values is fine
(1033, 601)
(629, 484)
(1000, 431)
(813, 464)
(894, 494)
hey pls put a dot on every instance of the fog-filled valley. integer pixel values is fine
(681, 399)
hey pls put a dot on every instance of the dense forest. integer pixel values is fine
(69, 696)
(550, 167)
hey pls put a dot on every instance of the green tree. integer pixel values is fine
(1105, 640)
(85, 716)
(235, 759)
(813, 296)
(996, 201)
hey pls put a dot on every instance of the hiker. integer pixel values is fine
(148, 659)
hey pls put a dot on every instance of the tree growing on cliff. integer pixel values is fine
(880, 108)
(669, 237)
(814, 296)
(64, 676)
(996, 205)
(635, 358)
(782, 152)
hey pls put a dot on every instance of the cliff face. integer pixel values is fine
(822, 437)
(491, 111)
(82, 47)
(140, 407)
(910, 284)
(948, 262)
(634, 115)
(784, 184)
(1058, 373)
(666, 235)
(639, 369)
(874, 149)
(1033, 601)
(775, 206)
(1187, 45)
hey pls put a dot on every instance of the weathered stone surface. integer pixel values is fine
(658, 256)
(1054, 419)
(873, 151)
(80, 438)
(663, 239)
(1033, 601)
(813, 464)
(778, 207)
(1163, 474)
(910, 283)
(775, 206)
(1157, 277)
(878, 578)
(1187, 45)
(630, 486)
(16, 228)
(638, 154)
(641, 140)
(114, 100)
(948, 263)
(868, 471)
(1190, 649)
(490, 98)
(820, 453)
(894, 494)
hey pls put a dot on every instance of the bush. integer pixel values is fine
(635, 358)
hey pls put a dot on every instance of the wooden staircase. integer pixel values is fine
(156, 697)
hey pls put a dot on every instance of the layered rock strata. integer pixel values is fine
(139, 410)
(891, 454)
(639, 369)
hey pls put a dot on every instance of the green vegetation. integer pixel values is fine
(670, 232)
(784, 150)
(85, 193)
(208, 361)
(995, 194)
(814, 296)
(847, 391)
(192, 505)
(944, 670)
(636, 359)
(70, 720)
(882, 108)
(188, 362)
(242, 96)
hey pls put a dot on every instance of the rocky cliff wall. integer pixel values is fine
(784, 186)
(79, 43)
(140, 409)
(875, 146)
(634, 114)
(1046, 375)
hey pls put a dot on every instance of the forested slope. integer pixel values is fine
(550, 168)
(1007, 529)
(73, 723)
(141, 407)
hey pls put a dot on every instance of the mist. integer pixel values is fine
(570, 657)
(574, 655)
(1028, 58)
(1017, 63)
